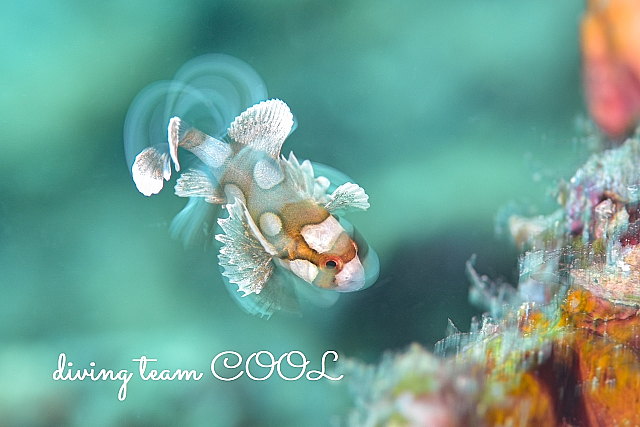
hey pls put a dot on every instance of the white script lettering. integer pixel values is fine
(165, 375)
(104, 374)
(272, 364)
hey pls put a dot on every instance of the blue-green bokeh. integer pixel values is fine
(443, 111)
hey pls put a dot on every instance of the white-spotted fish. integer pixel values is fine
(282, 239)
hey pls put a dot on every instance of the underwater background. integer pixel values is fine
(446, 113)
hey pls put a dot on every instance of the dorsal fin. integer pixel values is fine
(303, 179)
(263, 127)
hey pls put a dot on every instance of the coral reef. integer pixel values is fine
(563, 348)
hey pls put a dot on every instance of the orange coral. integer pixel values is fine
(618, 321)
(610, 36)
(529, 403)
(608, 374)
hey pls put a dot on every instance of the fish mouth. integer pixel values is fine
(351, 278)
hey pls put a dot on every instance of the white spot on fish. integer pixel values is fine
(270, 223)
(267, 173)
(304, 270)
(321, 237)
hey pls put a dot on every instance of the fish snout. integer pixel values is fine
(351, 277)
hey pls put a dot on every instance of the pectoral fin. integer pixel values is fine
(348, 197)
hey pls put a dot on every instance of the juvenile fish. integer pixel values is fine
(282, 238)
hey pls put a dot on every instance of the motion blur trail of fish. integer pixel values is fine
(282, 239)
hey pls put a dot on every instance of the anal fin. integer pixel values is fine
(243, 256)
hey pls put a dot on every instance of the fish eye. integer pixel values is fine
(332, 263)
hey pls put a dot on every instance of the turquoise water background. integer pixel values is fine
(443, 111)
